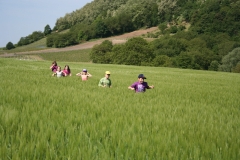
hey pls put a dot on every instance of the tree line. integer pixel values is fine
(170, 51)
(35, 36)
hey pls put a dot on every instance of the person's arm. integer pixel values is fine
(150, 87)
(132, 87)
(100, 83)
(110, 83)
(79, 74)
(54, 74)
(89, 75)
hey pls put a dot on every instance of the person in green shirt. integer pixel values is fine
(105, 81)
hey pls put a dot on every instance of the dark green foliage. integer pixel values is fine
(138, 51)
(35, 36)
(47, 30)
(50, 40)
(162, 27)
(100, 28)
(66, 39)
(216, 16)
(162, 61)
(237, 68)
(120, 54)
(230, 61)
(173, 29)
(185, 60)
(214, 66)
(169, 46)
(10, 46)
(99, 52)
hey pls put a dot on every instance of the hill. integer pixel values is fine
(213, 36)
(86, 45)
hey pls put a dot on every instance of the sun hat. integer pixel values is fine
(107, 72)
(141, 76)
(84, 70)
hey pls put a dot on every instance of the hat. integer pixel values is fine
(107, 72)
(84, 70)
(141, 76)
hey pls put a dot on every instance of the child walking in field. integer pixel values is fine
(140, 85)
(105, 81)
(84, 74)
(67, 71)
(58, 73)
(54, 66)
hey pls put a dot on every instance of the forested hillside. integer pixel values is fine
(213, 33)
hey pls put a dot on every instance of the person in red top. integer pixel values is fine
(54, 66)
(67, 71)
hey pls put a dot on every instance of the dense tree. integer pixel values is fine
(47, 30)
(10, 46)
(230, 61)
(98, 53)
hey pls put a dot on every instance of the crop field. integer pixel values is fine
(189, 114)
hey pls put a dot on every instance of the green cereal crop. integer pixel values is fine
(190, 114)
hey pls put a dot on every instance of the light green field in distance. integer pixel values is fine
(68, 56)
(188, 115)
(38, 45)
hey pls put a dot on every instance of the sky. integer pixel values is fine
(20, 18)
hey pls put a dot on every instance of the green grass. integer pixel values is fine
(38, 45)
(68, 56)
(189, 115)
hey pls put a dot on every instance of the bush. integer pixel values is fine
(230, 61)
(10, 46)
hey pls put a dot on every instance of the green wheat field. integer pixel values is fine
(189, 114)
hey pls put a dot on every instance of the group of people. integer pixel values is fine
(139, 86)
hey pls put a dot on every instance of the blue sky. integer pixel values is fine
(19, 18)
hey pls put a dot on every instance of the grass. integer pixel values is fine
(35, 46)
(189, 115)
(68, 56)
(38, 45)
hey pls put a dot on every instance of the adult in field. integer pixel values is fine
(84, 74)
(67, 71)
(105, 81)
(140, 85)
(54, 66)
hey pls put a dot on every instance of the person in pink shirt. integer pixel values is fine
(67, 71)
(54, 66)
(84, 74)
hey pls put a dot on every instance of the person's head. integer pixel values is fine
(107, 74)
(67, 68)
(141, 78)
(84, 71)
(58, 68)
(54, 63)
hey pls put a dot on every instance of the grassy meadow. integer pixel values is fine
(188, 115)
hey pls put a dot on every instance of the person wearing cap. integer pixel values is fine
(105, 81)
(140, 85)
(84, 74)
